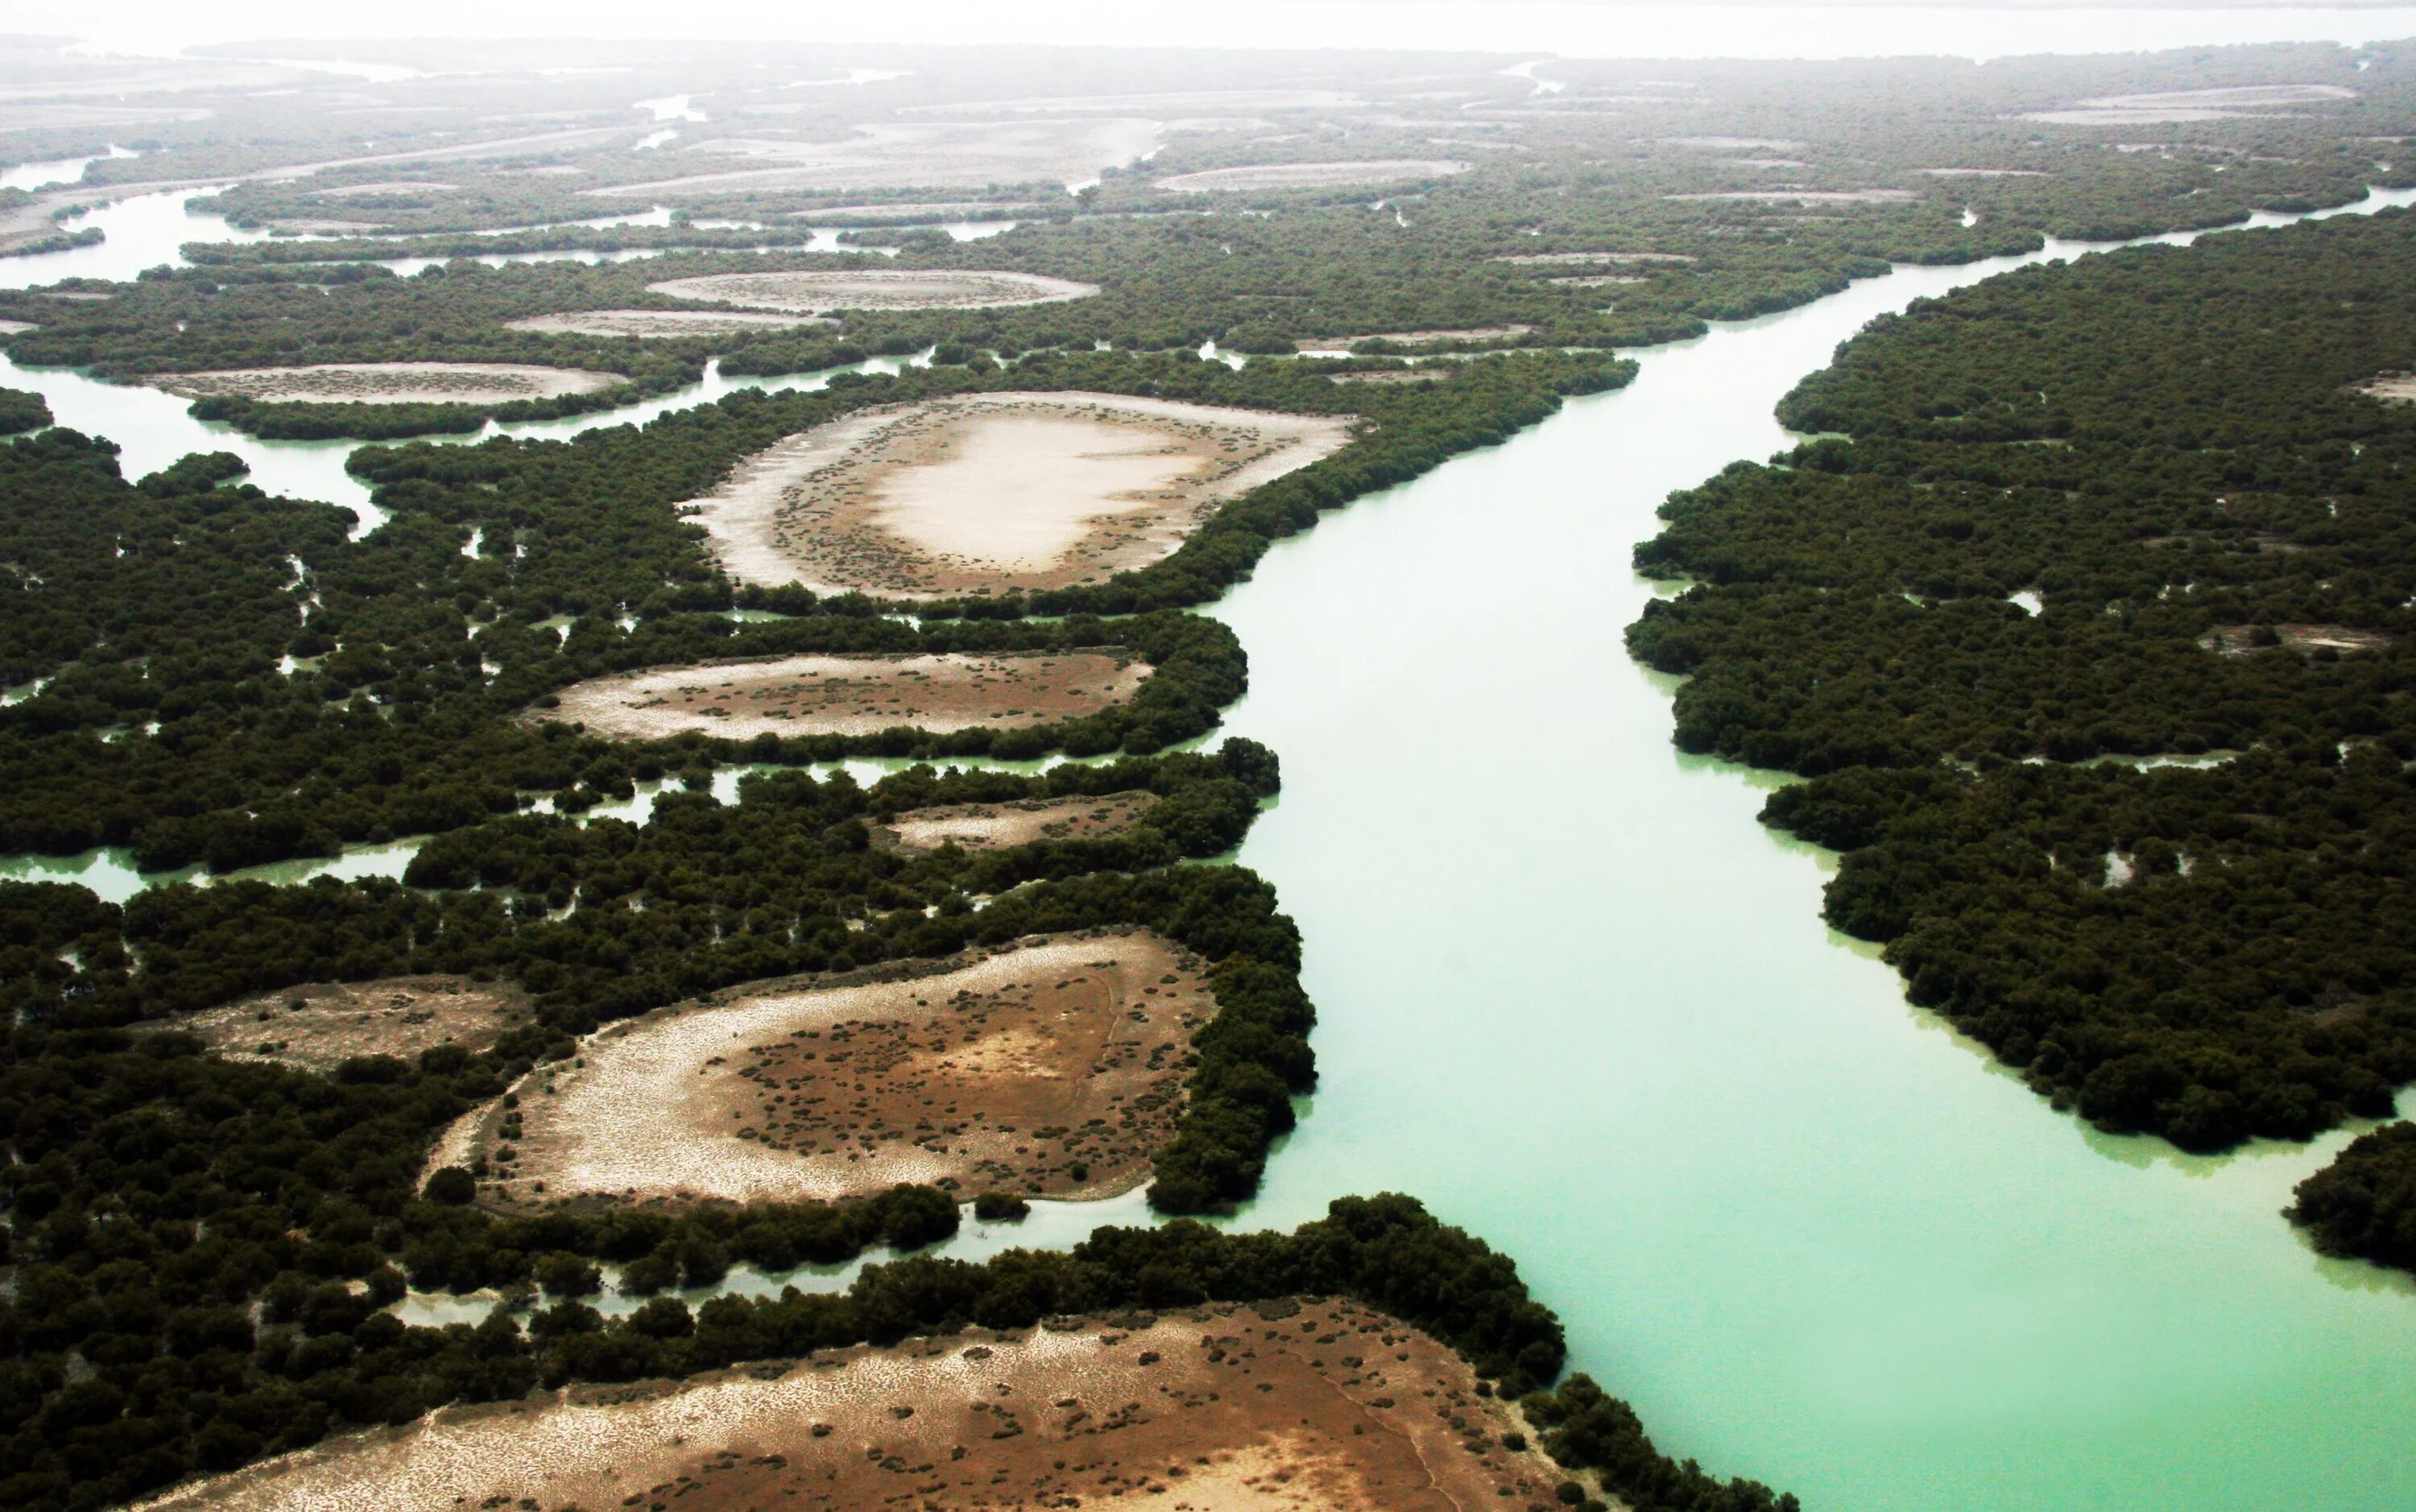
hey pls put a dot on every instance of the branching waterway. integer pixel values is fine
(1574, 997)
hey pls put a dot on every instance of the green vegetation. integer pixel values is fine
(20, 411)
(2171, 448)
(2364, 1203)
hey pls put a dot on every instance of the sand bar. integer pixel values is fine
(996, 492)
(661, 324)
(392, 382)
(854, 695)
(1290, 1405)
(1051, 1068)
(1583, 258)
(319, 1025)
(1311, 176)
(998, 826)
(876, 289)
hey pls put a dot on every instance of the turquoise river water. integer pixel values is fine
(1578, 1000)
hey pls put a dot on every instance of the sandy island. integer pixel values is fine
(1053, 1068)
(1289, 1405)
(876, 289)
(1311, 176)
(318, 1026)
(659, 325)
(998, 826)
(391, 382)
(995, 492)
(858, 693)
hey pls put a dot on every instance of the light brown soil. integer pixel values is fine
(1312, 175)
(1421, 338)
(901, 289)
(1984, 172)
(2240, 639)
(17, 327)
(1319, 1405)
(653, 324)
(1732, 144)
(1595, 280)
(309, 226)
(1395, 375)
(963, 156)
(407, 185)
(1000, 1073)
(998, 826)
(392, 382)
(995, 492)
(853, 693)
(2396, 386)
(398, 1016)
(2193, 105)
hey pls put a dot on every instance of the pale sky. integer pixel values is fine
(1577, 29)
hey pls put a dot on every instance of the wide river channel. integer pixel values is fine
(1573, 996)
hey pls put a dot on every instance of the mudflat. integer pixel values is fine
(1287, 1405)
(1050, 1068)
(318, 1026)
(1311, 176)
(391, 382)
(996, 492)
(998, 826)
(876, 289)
(856, 694)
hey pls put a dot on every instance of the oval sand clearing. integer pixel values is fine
(391, 382)
(861, 694)
(1051, 1069)
(996, 492)
(1276, 1406)
(876, 289)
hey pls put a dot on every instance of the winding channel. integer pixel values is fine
(1578, 1000)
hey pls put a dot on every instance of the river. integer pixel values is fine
(1578, 1000)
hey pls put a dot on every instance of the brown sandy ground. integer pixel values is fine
(964, 155)
(320, 1024)
(2240, 639)
(400, 186)
(1394, 375)
(1311, 176)
(859, 694)
(2394, 386)
(876, 289)
(392, 382)
(659, 323)
(17, 327)
(309, 225)
(1282, 1406)
(1595, 280)
(995, 492)
(928, 210)
(998, 826)
(1052, 1067)
(1809, 196)
(2182, 105)
(1419, 339)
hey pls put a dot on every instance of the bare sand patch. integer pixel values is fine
(861, 694)
(407, 185)
(1425, 338)
(1984, 172)
(2396, 386)
(1051, 1068)
(17, 327)
(391, 382)
(2240, 639)
(943, 155)
(661, 324)
(2254, 101)
(996, 492)
(1291, 1405)
(320, 1024)
(998, 826)
(1312, 175)
(877, 289)
(314, 226)
(1732, 144)
(1595, 280)
(1395, 375)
